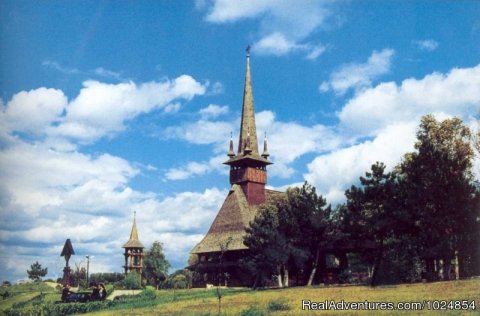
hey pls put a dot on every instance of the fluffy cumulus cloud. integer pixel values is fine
(213, 111)
(194, 168)
(48, 196)
(387, 116)
(284, 25)
(287, 141)
(50, 190)
(454, 93)
(334, 172)
(359, 75)
(100, 109)
(32, 111)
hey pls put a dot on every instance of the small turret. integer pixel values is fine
(265, 153)
(231, 153)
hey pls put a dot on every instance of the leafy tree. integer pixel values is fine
(36, 271)
(185, 274)
(156, 265)
(79, 276)
(439, 192)
(106, 277)
(178, 282)
(132, 281)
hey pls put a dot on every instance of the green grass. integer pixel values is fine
(280, 301)
(202, 302)
(25, 292)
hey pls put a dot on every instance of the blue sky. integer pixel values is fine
(110, 107)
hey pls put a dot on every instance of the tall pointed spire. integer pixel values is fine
(248, 131)
(133, 241)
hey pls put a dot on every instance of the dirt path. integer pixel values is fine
(122, 292)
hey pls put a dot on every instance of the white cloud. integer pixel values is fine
(99, 71)
(334, 172)
(193, 168)
(287, 141)
(388, 115)
(284, 25)
(38, 177)
(454, 93)
(48, 196)
(213, 111)
(32, 111)
(201, 132)
(427, 45)
(277, 44)
(66, 70)
(101, 109)
(102, 72)
(359, 76)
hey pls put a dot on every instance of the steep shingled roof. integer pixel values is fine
(133, 242)
(232, 219)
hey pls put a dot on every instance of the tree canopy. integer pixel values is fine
(421, 215)
(286, 234)
(36, 271)
(156, 265)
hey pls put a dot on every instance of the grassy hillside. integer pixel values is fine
(266, 302)
(289, 301)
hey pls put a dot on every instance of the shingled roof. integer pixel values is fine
(232, 219)
(133, 242)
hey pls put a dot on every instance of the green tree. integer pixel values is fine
(36, 271)
(156, 265)
(266, 245)
(440, 192)
(287, 234)
(372, 214)
(132, 281)
(306, 224)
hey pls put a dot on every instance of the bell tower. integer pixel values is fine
(134, 252)
(248, 168)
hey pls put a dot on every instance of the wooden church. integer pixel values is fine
(218, 253)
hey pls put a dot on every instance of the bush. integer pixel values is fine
(252, 311)
(109, 288)
(149, 293)
(132, 281)
(280, 304)
(59, 309)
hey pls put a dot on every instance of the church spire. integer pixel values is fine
(133, 241)
(248, 132)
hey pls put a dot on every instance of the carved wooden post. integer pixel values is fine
(67, 252)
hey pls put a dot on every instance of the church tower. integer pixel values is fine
(133, 252)
(248, 168)
(216, 258)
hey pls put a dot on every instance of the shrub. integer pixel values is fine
(149, 293)
(109, 288)
(252, 311)
(132, 280)
(280, 304)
